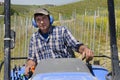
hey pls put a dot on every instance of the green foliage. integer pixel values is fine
(117, 13)
(20, 10)
(13, 11)
(1, 10)
(82, 6)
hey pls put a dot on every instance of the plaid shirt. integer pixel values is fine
(55, 46)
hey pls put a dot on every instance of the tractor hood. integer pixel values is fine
(64, 76)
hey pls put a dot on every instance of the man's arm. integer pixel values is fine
(30, 62)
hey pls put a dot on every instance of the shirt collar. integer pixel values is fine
(49, 32)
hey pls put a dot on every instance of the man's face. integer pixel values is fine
(43, 22)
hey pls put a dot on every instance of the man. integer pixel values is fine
(52, 42)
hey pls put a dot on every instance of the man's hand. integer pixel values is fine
(29, 66)
(86, 53)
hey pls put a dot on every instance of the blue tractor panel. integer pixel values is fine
(64, 76)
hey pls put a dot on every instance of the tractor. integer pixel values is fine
(65, 68)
